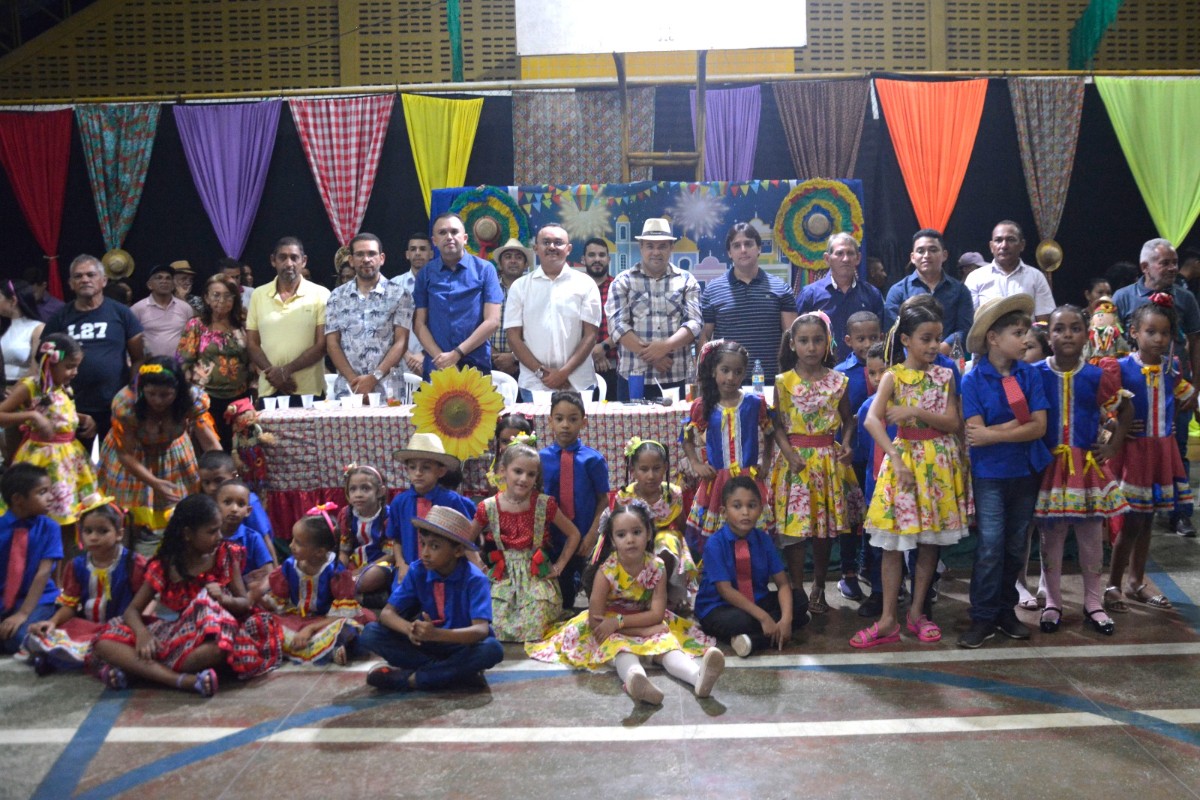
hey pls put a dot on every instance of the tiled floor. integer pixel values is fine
(1072, 714)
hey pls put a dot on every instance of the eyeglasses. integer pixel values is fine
(552, 243)
(221, 297)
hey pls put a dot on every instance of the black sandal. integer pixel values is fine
(1050, 626)
(1107, 627)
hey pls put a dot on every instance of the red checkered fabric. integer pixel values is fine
(342, 140)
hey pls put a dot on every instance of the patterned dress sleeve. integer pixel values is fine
(155, 576)
(71, 594)
(188, 351)
(765, 423)
(124, 419)
(696, 423)
(1109, 393)
(278, 589)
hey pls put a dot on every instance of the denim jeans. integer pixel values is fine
(40, 613)
(1181, 438)
(1003, 509)
(437, 665)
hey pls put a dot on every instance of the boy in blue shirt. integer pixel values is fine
(233, 500)
(862, 331)
(435, 632)
(216, 467)
(1004, 405)
(30, 547)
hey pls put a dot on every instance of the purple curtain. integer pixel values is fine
(228, 149)
(730, 132)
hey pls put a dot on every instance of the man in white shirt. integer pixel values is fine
(1007, 274)
(551, 316)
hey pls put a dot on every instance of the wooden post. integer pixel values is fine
(701, 112)
(623, 90)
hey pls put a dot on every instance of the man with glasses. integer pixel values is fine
(366, 324)
(551, 318)
(1007, 274)
(457, 298)
(111, 337)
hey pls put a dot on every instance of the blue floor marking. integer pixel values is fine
(1179, 598)
(75, 758)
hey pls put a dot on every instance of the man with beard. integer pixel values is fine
(604, 354)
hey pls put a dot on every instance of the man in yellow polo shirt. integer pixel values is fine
(285, 327)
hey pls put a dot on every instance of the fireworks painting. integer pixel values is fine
(584, 215)
(697, 212)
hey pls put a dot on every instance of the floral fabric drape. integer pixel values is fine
(441, 133)
(35, 148)
(228, 149)
(933, 128)
(1047, 112)
(117, 143)
(342, 139)
(730, 132)
(823, 122)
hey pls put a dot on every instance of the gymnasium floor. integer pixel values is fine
(1065, 715)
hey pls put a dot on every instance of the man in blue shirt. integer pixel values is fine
(457, 297)
(840, 293)
(929, 256)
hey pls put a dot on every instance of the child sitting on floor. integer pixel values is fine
(30, 548)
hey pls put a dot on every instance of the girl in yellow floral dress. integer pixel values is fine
(923, 496)
(816, 494)
(627, 617)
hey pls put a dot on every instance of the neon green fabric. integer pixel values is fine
(1156, 121)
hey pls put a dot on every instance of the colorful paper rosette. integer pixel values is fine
(460, 406)
(811, 212)
(491, 217)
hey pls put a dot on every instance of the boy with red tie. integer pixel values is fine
(30, 547)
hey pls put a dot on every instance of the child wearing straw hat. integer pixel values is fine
(435, 632)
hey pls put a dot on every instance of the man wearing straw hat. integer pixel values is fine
(512, 260)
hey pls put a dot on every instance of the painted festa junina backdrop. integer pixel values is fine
(795, 218)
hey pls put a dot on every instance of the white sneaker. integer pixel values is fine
(742, 645)
(641, 689)
(711, 667)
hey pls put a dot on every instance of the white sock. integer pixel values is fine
(627, 664)
(682, 666)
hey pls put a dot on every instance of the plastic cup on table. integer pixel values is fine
(284, 401)
(637, 387)
(306, 400)
(352, 401)
(374, 399)
(541, 397)
(269, 403)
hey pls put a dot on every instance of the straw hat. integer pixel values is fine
(1049, 255)
(183, 266)
(117, 264)
(656, 229)
(426, 445)
(987, 314)
(513, 244)
(449, 524)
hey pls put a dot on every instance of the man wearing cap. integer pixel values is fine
(285, 327)
(653, 310)
(604, 354)
(418, 253)
(457, 298)
(366, 325)
(162, 314)
(929, 257)
(184, 277)
(1007, 274)
(111, 338)
(513, 260)
(552, 316)
(1160, 266)
(840, 294)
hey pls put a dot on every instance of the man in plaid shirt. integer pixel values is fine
(653, 310)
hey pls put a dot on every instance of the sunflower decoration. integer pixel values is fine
(460, 406)
(808, 215)
(491, 217)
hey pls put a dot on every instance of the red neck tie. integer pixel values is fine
(566, 483)
(423, 506)
(741, 562)
(439, 599)
(1016, 399)
(15, 576)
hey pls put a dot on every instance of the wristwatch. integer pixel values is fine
(541, 373)
(377, 375)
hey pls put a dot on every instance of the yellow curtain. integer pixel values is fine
(1156, 123)
(441, 134)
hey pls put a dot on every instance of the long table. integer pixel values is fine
(304, 466)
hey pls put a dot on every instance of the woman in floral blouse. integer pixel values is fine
(213, 349)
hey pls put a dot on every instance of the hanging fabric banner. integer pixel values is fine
(228, 149)
(933, 127)
(1047, 112)
(342, 140)
(1089, 30)
(35, 148)
(1156, 121)
(730, 132)
(441, 134)
(823, 122)
(117, 142)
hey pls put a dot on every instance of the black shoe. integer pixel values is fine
(389, 679)
(1013, 628)
(1107, 627)
(1184, 527)
(978, 633)
(872, 606)
(42, 666)
(1050, 625)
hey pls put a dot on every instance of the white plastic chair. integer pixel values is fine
(411, 384)
(506, 385)
(601, 389)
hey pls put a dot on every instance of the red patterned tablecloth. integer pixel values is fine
(305, 465)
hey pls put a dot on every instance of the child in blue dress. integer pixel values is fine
(362, 528)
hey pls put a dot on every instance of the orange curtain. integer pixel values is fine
(933, 127)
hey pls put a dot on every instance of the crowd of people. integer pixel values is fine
(897, 425)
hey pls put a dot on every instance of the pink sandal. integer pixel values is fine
(871, 637)
(925, 629)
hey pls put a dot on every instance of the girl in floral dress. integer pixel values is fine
(816, 494)
(720, 437)
(923, 495)
(627, 617)
(648, 464)
(204, 618)
(526, 598)
(43, 406)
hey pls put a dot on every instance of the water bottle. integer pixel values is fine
(757, 377)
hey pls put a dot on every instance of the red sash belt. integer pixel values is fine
(917, 434)
(821, 440)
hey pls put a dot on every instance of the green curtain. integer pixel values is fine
(1156, 123)
(1090, 29)
(441, 134)
(117, 142)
